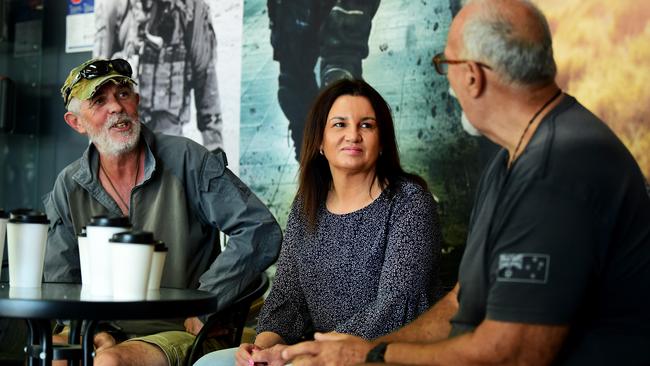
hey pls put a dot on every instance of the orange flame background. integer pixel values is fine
(602, 50)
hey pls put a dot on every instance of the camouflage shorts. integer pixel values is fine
(177, 344)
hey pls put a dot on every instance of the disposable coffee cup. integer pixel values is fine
(13, 213)
(84, 258)
(26, 239)
(98, 231)
(4, 217)
(19, 211)
(157, 265)
(153, 295)
(132, 254)
(31, 293)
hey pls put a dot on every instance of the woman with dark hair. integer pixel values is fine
(362, 244)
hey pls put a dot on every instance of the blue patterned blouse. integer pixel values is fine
(365, 273)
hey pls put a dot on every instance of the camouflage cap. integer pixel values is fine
(82, 88)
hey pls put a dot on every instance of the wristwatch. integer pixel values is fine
(377, 353)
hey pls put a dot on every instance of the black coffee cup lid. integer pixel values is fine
(83, 232)
(29, 217)
(110, 221)
(160, 247)
(19, 211)
(134, 237)
(3, 214)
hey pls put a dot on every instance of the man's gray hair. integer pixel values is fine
(491, 38)
(74, 105)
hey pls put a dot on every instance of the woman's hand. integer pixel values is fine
(243, 356)
(272, 356)
(250, 354)
(267, 350)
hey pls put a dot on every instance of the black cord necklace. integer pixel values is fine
(137, 172)
(514, 154)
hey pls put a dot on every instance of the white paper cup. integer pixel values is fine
(32, 293)
(153, 295)
(98, 232)
(26, 239)
(157, 265)
(4, 217)
(132, 255)
(85, 293)
(84, 258)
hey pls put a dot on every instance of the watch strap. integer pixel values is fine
(376, 354)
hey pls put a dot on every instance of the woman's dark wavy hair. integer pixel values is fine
(315, 177)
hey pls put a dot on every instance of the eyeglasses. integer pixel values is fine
(97, 69)
(441, 63)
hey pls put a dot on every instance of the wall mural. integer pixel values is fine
(283, 41)
(182, 53)
(265, 80)
(603, 60)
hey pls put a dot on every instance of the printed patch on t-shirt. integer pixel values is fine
(523, 267)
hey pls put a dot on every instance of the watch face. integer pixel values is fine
(377, 353)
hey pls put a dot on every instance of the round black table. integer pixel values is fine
(67, 301)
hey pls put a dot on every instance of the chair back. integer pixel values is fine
(233, 317)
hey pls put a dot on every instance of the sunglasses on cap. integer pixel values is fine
(99, 68)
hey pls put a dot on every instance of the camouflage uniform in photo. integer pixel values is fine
(304, 31)
(172, 47)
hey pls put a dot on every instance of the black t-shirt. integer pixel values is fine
(563, 237)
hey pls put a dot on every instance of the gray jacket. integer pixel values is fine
(186, 197)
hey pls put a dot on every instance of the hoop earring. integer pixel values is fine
(321, 151)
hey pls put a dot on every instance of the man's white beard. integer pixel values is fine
(106, 145)
(468, 126)
(464, 121)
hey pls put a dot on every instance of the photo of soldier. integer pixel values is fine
(304, 32)
(172, 47)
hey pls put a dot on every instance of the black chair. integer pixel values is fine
(13, 334)
(232, 318)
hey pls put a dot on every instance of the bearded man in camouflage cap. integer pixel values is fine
(168, 185)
